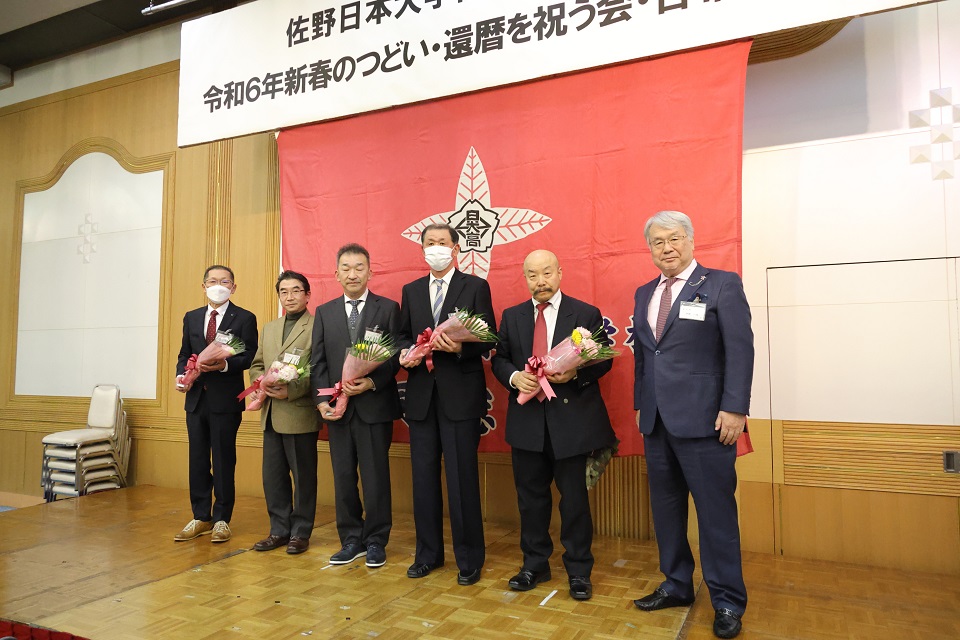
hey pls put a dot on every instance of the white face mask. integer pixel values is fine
(438, 257)
(218, 294)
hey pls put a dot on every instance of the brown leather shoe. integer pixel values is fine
(297, 545)
(270, 543)
(193, 529)
(221, 532)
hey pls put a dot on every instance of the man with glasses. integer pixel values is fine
(693, 356)
(361, 437)
(289, 422)
(213, 412)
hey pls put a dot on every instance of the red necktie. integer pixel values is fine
(665, 304)
(212, 327)
(540, 331)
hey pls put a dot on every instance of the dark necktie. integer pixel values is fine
(666, 302)
(354, 320)
(212, 327)
(540, 331)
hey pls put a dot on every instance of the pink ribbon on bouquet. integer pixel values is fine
(425, 341)
(253, 387)
(334, 392)
(538, 367)
(190, 372)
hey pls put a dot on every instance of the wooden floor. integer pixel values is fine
(105, 566)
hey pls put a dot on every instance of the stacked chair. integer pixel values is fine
(93, 459)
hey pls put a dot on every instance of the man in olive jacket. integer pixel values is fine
(289, 422)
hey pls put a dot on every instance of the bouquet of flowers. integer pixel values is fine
(461, 326)
(279, 372)
(214, 352)
(580, 349)
(363, 356)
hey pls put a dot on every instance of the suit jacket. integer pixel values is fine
(331, 338)
(459, 377)
(698, 368)
(296, 414)
(222, 388)
(577, 418)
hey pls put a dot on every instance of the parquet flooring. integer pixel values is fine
(105, 566)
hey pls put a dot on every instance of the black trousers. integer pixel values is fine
(290, 481)
(704, 468)
(355, 444)
(533, 473)
(456, 441)
(212, 445)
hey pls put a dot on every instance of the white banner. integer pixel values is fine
(271, 64)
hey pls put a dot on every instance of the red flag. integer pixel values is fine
(573, 164)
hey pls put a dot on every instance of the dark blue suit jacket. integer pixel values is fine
(698, 368)
(222, 388)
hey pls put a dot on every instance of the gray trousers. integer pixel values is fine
(290, 481)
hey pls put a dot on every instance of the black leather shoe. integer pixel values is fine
(350, 552)
(580, 588)
(297, 545)
(660, 599)
(422, 569)
(270, 543)
(467, 579)
(726, 624)
(527, 579)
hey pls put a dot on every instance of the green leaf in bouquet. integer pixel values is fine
(378, 349)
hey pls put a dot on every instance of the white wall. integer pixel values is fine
(867, 340)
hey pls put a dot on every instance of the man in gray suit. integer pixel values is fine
(290, 424)
(362, 436)
(693, 350)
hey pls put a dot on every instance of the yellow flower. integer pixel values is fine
(361, 347)
(577, 338)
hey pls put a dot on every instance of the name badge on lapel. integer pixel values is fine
(694, 310)
(372, 335)
(292, 357)
(224, 337)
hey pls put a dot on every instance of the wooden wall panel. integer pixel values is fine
(870, 527)
(883, 457)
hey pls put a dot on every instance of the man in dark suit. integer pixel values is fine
(693, 350)
(213, 412)
(362, 436)
(552, 439)
(289, 422)
(444, 408)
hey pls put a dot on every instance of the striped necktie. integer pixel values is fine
(437, 301)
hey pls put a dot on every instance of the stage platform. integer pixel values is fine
(106, 566)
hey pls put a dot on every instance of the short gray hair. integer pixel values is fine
(669, 220)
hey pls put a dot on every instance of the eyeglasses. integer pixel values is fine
(660, 243)
(290, 293)
(226, 282)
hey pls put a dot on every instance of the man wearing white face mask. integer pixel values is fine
(213, 411)
(444, 408)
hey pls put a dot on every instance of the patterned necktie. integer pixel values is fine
(437, 301)
(354, 319)
(665, 303)
(540, 331)
(212, 327)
